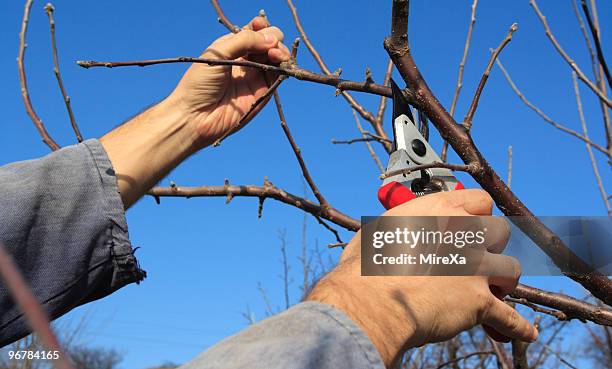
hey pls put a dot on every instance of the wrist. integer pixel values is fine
(178, 118)
(382, 318)
(144, 149)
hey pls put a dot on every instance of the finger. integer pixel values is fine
(495, 334)
(502, 272)
(508, 322)
(257, 23)
(279, 54)
(245, 42)
(497, 233)
(506, 275)
(473, 201)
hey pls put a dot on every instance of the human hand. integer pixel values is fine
(216, 97)
(399, 312)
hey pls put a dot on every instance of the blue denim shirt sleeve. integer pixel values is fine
(63, 222)
(310, 335)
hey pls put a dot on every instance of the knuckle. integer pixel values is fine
(484, 196)
(246, 36)
(516, 269)
(513, 321)
(485, 301)
(448, 200)
(278, 33)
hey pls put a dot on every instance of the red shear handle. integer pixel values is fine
(394, 193)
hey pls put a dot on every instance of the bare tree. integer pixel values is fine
(457, 135)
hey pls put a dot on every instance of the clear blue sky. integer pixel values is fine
(204, 258)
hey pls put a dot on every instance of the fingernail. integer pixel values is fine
(534, 334)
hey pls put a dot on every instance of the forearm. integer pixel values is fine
(309, 335)
(149, 146)
(63, 223)
(388, 329)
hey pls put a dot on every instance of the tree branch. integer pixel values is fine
(42, 131)
(464, 357)
(287, 69)
(595, 33)
(466, 48)
(597, 71)
(352, 102)
(267, 191)
(456, 167)
(34, 314)
(459, 85)
(298, 153)
(500, 354)
(467, 121)
(509, 166)
(49, 10)
(223, 19)
(543, 115)
(383, 99)
(600, 185)
(568, 307)
(566, 57)
(253, 109)
(572, 266)
(365, 138)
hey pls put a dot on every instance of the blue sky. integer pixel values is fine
(205, 258)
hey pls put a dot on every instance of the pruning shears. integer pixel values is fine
(410, 149)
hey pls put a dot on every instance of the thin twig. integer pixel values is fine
(561, 358)
(500, 353)
(287, 69)
(464, 357)
(571, 308)
(566, 57)
(595, 33)
(600, 185)
(266, 300)
(268, 190)
(509, 167)
(42, 131)
(585, 34)
(366, 139)
(455, 167)
(31, 308)
(223, 19)
(49, 10)
(382, 105)
(597, 71)
(282, 235)
(469, 116)
(541, 356)
(466, 48)
(330, 228)
(539, 112)
(554, 313)
(298, 153)
(519, 354)
(253, 109)
(352, 102)
(459, 85)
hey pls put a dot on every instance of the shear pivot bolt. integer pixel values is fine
(419, 147)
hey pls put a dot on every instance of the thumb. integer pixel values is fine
(245, 42)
